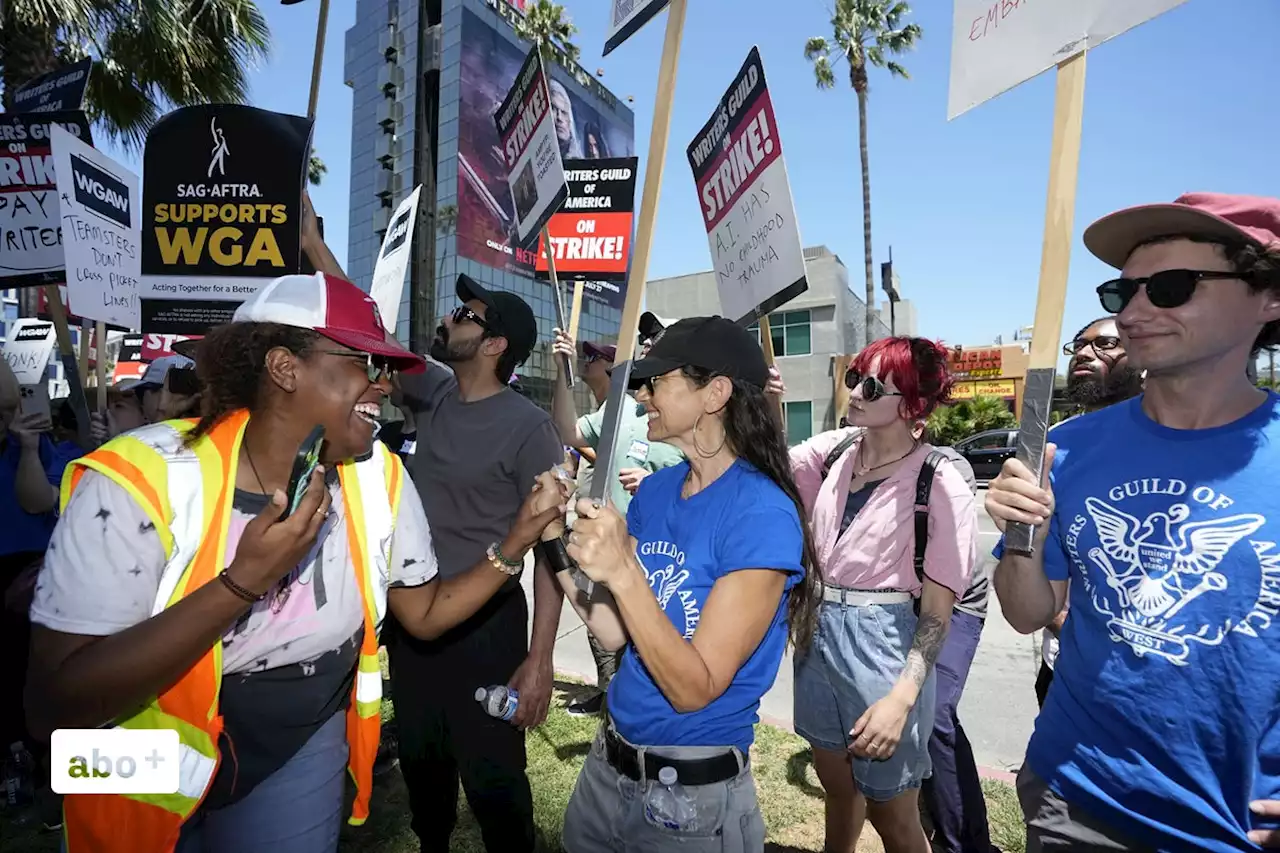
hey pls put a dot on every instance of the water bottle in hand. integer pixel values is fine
(498, 701)
(669, 805)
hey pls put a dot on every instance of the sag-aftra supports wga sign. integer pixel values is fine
(116, 761)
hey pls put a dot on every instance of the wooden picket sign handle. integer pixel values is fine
(1055, 264)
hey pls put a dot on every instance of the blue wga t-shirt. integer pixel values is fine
(1162, 721)
(740, 521)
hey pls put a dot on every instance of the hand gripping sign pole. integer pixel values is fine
(628, 332)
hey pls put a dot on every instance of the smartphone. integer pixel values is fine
(303, 465)
(34, 400)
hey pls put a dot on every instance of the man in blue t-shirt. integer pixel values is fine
(1162, 730)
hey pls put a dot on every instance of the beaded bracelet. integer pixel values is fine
(239, 591)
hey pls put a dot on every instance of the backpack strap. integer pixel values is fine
(924, 486)
(838, 451)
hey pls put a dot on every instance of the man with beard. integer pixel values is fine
(1098, 375)
(480, 447)
(566, 128)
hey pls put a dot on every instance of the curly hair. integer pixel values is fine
(918, 367)
(753, 433)
(231, 361)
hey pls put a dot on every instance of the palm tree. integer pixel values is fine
(149, 55)
(446, 224)
(316, 170)
(864, 32)
(546, 25)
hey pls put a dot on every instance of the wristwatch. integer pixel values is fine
(503, 563)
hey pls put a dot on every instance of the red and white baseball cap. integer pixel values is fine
(333, 307)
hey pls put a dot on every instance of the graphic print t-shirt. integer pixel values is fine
(740, 521)
(1164, 718)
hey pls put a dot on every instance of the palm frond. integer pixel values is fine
(897, 70)
(822, 73)
(815, 47)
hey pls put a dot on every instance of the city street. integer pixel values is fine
(999, 704)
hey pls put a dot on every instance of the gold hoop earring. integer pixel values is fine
(724, 436)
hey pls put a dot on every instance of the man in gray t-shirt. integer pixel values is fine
(480, 447)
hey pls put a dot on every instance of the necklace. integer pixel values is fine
(254, 468)
(860, 471)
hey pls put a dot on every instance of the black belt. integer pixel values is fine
(691, 771)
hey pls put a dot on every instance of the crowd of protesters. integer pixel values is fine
(171, 576)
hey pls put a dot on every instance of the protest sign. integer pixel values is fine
(530, 149)
(591, 234)
(626, 17)
(997, 44)
(54, 92)
(30, 225)
(387, 288)
(222, 211)
(27, 350)
(98, 199)
(746, 200)
(153, 346)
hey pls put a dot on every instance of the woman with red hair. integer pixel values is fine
(864, 683)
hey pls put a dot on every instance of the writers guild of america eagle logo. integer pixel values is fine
(1154, 568)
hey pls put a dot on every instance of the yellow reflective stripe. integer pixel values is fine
(147, 483)
(197, 761)
(368, 687)
(151, 717)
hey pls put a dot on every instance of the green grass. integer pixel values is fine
(790, 797)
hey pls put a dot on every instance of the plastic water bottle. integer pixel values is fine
(498, 701)
(19, 776)
(669, 805)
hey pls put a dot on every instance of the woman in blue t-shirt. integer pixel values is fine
(698, 578)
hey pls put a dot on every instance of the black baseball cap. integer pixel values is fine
(650, 325)
(506, 315)
(710, 343)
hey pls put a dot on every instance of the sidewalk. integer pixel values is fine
(999, 704)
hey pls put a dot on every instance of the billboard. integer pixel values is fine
(486, 229)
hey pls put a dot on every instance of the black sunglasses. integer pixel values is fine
(872, 388)
(376, 366)
(1166, 289)
(1102, 343)
(462, 314)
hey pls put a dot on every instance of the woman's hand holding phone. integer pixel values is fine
(271, 547)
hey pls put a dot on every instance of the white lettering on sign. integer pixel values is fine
(524, 127)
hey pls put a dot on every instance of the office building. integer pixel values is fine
(426, 79)
(809, 333)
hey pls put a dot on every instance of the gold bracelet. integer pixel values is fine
(501, 563)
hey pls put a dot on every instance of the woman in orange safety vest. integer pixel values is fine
(174, 596)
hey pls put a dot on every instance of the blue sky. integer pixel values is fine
(1186, 101)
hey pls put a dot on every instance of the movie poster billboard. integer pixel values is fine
(746, 200)
(486, 212)
(591, 235)
(222, 211)
(100, 231)
(30, 221)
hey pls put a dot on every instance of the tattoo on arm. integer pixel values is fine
(931, 632)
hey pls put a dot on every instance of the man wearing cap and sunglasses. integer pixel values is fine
(1161, 730)
(480, 447)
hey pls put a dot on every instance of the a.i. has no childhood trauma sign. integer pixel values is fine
(222, 211)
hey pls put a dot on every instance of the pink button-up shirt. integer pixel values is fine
(876, 551)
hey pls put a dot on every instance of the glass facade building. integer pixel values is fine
(426, 76)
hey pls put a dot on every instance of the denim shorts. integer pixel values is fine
(858, 652)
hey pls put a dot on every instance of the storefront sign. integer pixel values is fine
(1004, 388)
(976, 363)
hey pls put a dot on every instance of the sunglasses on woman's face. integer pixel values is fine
(872, 388)
(1166, 289)
(375, 366)
(462, 314)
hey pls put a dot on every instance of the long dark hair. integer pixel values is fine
(754, 434)
(230, 363)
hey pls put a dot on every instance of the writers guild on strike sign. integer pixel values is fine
(535, 173)
(30, 218)
(745, 198)
(222, 211)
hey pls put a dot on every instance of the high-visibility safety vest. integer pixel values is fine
(187, 492)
